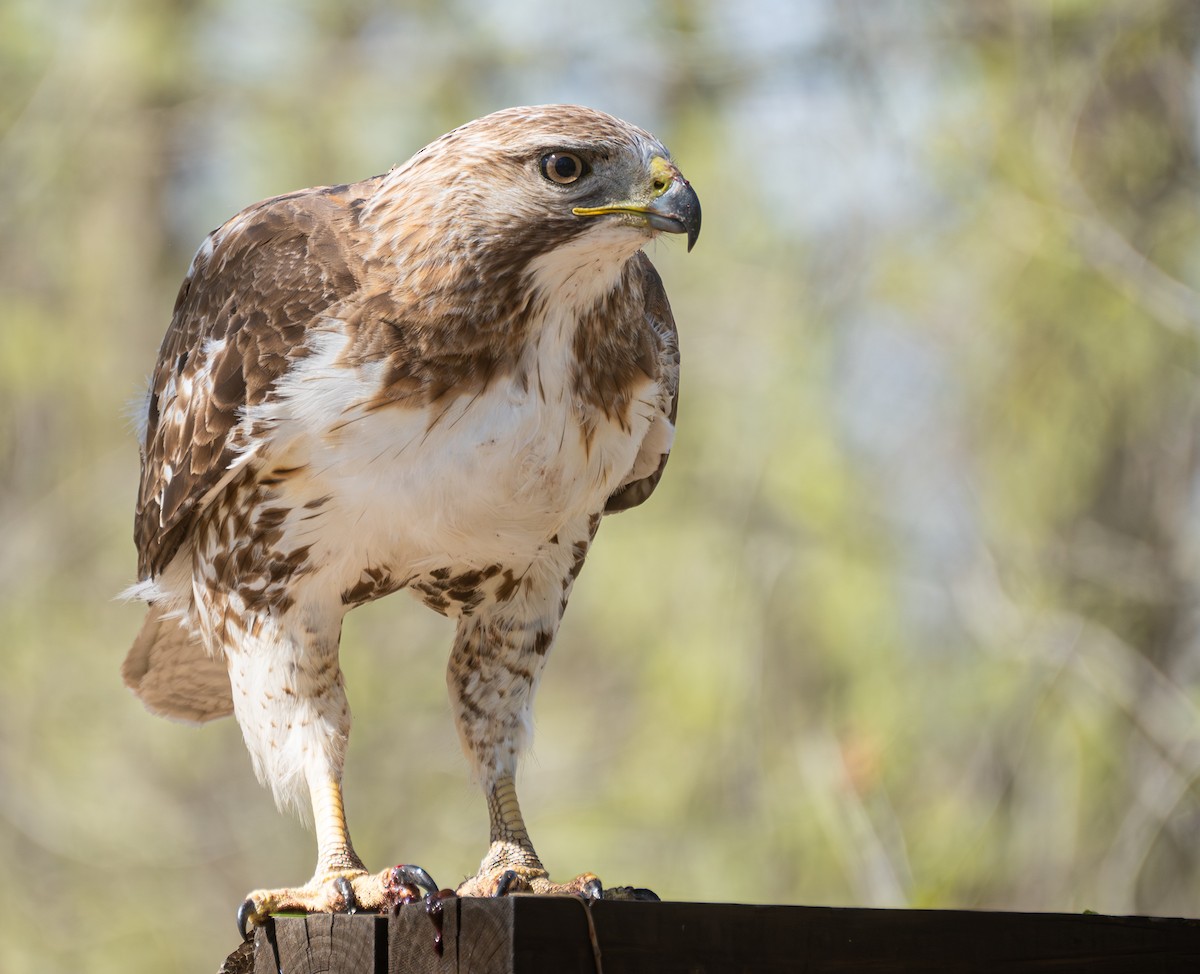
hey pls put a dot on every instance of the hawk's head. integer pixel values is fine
(548, 182)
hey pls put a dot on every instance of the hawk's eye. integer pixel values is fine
(563, 167)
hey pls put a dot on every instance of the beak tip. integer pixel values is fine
(692, 219)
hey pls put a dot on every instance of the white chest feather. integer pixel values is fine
(483, 478)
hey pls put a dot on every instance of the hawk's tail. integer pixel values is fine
(172, 673)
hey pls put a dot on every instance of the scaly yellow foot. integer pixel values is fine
(337, 891)
(342, 891)
(503, 880)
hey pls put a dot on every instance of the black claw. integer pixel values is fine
(244, 913)
(593, 889)
(346, 892)
(507, 878)
(415, 876)
(632, 893)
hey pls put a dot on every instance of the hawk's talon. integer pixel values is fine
(593, 889)
(638, 893)
(247, 915)
(505, 882)
(346, 892)
(406, 884)
(413, 876)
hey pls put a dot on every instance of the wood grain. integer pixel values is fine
(566, 935)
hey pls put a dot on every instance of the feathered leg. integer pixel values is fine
(291, 704)
(493, 675)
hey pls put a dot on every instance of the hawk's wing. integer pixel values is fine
(656, 445)
(240, 319)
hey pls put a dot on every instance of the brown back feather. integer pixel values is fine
(239, 321)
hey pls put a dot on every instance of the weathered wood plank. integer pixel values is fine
(564, 935)
(484, 936)
(323, 944)
(413, 941)
(678, 938)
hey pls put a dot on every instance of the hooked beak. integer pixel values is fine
(672, 207)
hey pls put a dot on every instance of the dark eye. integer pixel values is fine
(563, 167)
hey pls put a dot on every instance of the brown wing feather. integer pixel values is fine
(240, 320)
(661, 324)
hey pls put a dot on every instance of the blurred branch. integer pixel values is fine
(1170, 301)
(1155, 705)
(874, 877)
(1175, 305)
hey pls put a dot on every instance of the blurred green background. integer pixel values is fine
(912, 618)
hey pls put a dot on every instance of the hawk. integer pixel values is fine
(438, 380)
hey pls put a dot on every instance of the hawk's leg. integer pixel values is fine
(499, 652)
(290, 701)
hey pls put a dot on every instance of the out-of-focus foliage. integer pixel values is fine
(912, 618)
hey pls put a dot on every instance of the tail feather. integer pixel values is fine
(172, 673)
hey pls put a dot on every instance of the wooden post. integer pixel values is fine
(565, 935)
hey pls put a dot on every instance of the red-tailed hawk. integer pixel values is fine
(436, 380)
